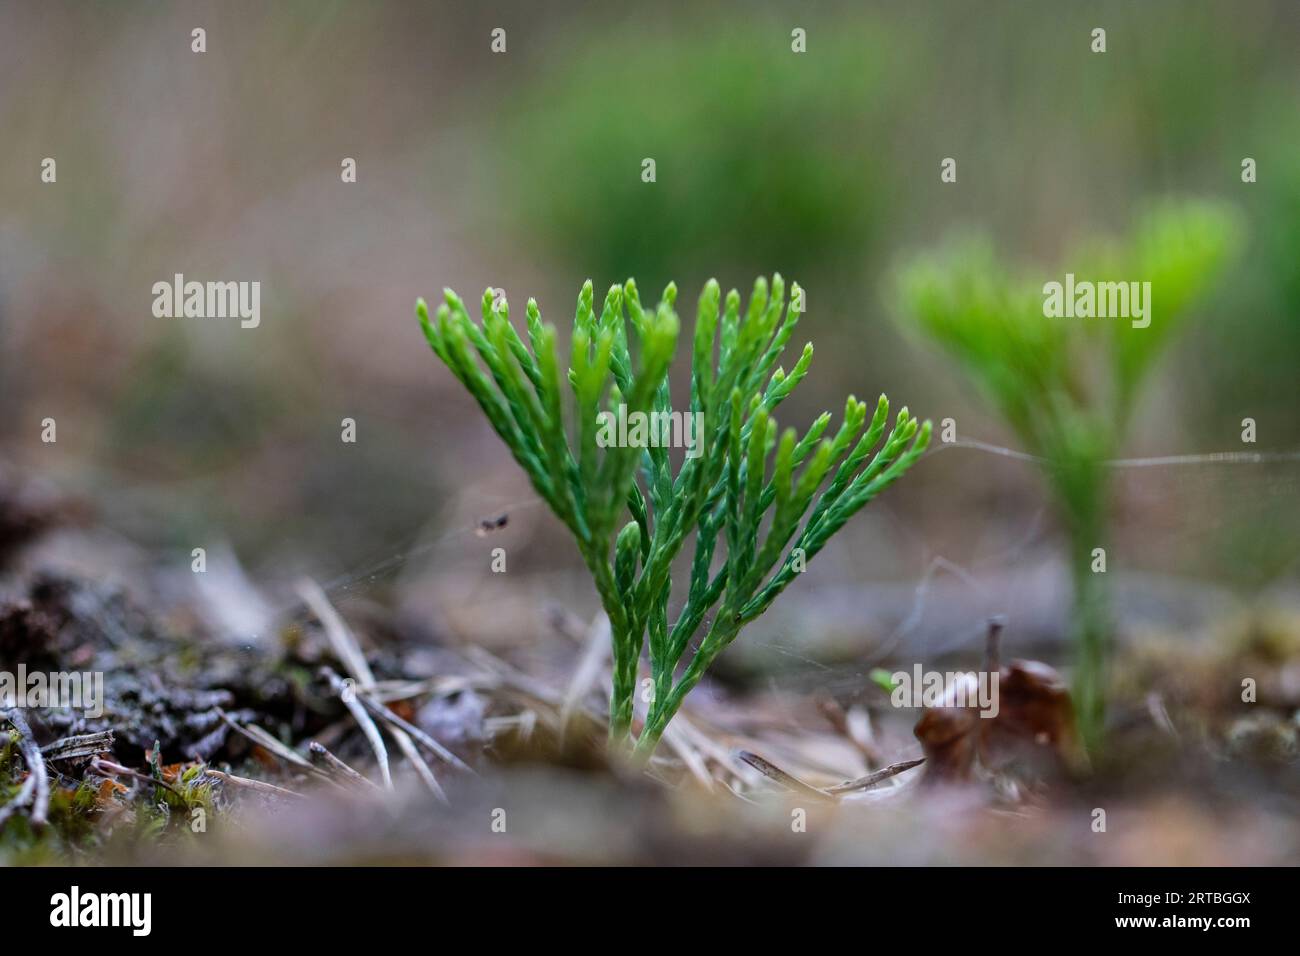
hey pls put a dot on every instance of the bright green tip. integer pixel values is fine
(629, 537)
(882, 679)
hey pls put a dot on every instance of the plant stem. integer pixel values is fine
(1090, 623)
(626, 645)
(657, 720)
(620, 697)
(664, 708)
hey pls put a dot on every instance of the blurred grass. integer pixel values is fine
(763, 156)
(524, 169)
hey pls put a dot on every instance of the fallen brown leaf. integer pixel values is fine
(1031, 736)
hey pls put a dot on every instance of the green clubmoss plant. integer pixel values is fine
(1068, 386)
(630, 512)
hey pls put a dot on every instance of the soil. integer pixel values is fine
(211, 751)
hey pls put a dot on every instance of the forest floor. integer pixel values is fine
(352, 740)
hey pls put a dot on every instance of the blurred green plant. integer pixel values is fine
(1068, 386)
(1255, 357)
(726, 490)
(754, 159)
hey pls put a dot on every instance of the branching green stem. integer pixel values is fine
(724, 489)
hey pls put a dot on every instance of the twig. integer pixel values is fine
(873, 778)
(349, 653)
(690, 727)
(522, 724)
(421, 765)
(992, 662)
(438, 750)
(588, 671)
(737, 794)
(516, 680)
(82, 745)
(341, 640)
(690, 756)
(391, 691)
(347, 694)
(332, 765)
(249, 783)
(773, 772)
(1160, 714)
(31, 752)
(268, 742)
(564, 622)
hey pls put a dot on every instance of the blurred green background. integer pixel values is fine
(522, 170)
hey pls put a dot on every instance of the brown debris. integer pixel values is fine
(79, 746)
(1032, 734)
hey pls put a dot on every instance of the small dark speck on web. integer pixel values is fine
(487, 525)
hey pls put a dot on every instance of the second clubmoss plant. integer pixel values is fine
(1069, 386)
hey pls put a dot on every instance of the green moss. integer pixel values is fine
(76, 818)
